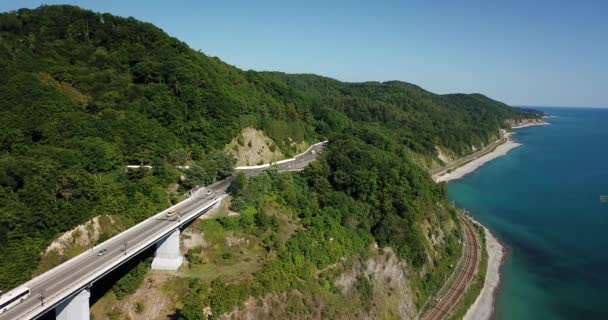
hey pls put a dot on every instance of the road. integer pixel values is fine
(450, 297)
(80, 272)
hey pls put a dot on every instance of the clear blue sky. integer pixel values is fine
(535, 52)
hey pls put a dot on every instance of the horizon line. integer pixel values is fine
(558, 106)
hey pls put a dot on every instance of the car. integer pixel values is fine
(209, 192)
(102, 252)
(171, 213)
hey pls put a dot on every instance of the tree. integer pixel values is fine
(238, 184)
(99, 156)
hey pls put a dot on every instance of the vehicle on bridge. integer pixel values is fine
(13, 297)
(171, 213)
(102, 252)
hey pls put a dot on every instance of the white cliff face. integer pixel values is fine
(388, 292)
(253, 147)
(389, 281)
(441, 155)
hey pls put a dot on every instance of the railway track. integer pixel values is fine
(452, 296)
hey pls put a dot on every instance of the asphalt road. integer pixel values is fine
(83, 270)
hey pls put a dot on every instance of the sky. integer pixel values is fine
(531, 53)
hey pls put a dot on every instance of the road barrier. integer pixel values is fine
(266, 165)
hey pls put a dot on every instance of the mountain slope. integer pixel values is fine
(84, 94)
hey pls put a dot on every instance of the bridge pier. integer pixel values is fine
(74, 308)
(218, 204)
(167, 256)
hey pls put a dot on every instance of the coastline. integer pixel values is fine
(531, 124)
(483, 307)
(474, 164)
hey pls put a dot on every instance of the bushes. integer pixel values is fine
(78, 104)
(213, 230)
(193, 302)
(193, 255)
(129, 283)
(210, 168)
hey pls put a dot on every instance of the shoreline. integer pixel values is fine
(531, 124)
(483, 306)
(474, 164)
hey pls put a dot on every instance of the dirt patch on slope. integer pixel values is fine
(252, 147)
(445, 157)
(83, 235)
(374, 288)
(382, 284)
(75, 241)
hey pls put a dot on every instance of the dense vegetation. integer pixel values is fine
(414, 117)
(83, 94)
(297, 259)
(361, 191)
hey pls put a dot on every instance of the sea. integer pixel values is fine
(543, 202)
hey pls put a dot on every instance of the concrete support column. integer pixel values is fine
(218, 204)
(74, 308)
(167, 255)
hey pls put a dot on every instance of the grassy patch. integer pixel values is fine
(105, 308)
(230, 263)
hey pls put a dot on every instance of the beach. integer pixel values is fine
(483, 307)
(531, 124)
(474, 164)
(541, 202)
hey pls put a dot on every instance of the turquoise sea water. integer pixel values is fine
(542, 201)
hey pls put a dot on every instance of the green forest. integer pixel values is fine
(84, 94)
(362, 191)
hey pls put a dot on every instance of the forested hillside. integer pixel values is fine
(416, 118)
(83, 94)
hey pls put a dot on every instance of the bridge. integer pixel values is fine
(66, 288)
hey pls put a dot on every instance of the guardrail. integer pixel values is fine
(112, 240)
(108, 267)
(57, 298)
(266, 165)
(40, 278)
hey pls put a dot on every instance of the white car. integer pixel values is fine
(209, 192)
